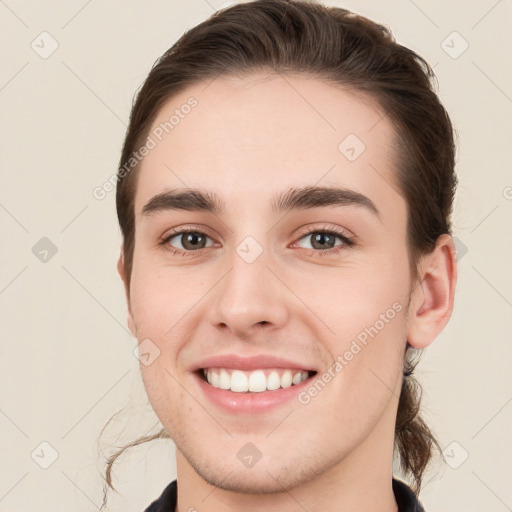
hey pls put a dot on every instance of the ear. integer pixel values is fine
(122, 272)
(432, 300)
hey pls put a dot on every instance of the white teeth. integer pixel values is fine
(286, 379)
(224, 380)
(239, 382)
(273, 381)
(256, 381)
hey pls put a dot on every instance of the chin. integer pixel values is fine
(252, 481)
(264, 477)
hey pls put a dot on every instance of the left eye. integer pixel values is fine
(325, 240)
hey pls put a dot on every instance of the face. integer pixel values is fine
(273, 282)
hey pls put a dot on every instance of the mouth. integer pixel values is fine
(251, 384)
(254, 381)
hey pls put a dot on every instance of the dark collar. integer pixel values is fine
(405, 498)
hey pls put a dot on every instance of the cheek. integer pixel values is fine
(368, 356)
(363, 321)
(161, 298)
(164, 393)
(348, 300)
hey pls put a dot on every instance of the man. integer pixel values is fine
(270, 271)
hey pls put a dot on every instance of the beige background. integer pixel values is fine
(66, 361)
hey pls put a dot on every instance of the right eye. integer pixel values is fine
(191, 240)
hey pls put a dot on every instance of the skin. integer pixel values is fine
(248, 139)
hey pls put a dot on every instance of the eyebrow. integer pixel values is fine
(302, 198)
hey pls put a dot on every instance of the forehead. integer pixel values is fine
(247, 137)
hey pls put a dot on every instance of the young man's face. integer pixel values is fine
(259, 280)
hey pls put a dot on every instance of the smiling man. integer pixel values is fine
(281, 262)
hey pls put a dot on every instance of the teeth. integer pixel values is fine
(298, 378)
(239, 382)
(286, 379)
(256, 381)
(224, 379)
(273, 381)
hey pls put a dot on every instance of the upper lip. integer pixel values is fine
(236, 362)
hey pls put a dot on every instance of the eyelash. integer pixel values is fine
(347, 241)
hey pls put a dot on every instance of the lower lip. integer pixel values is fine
(250, 403)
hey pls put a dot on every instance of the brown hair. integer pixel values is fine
(350, 51)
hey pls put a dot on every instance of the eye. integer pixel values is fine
(322, 241)
(191, 240)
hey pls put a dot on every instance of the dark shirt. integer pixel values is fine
(405, 498)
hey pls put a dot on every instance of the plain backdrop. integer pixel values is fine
(69, 72)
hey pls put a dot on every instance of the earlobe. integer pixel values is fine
(432, 301)
(122, 272)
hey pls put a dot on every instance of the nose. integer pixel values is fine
(250, 295)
